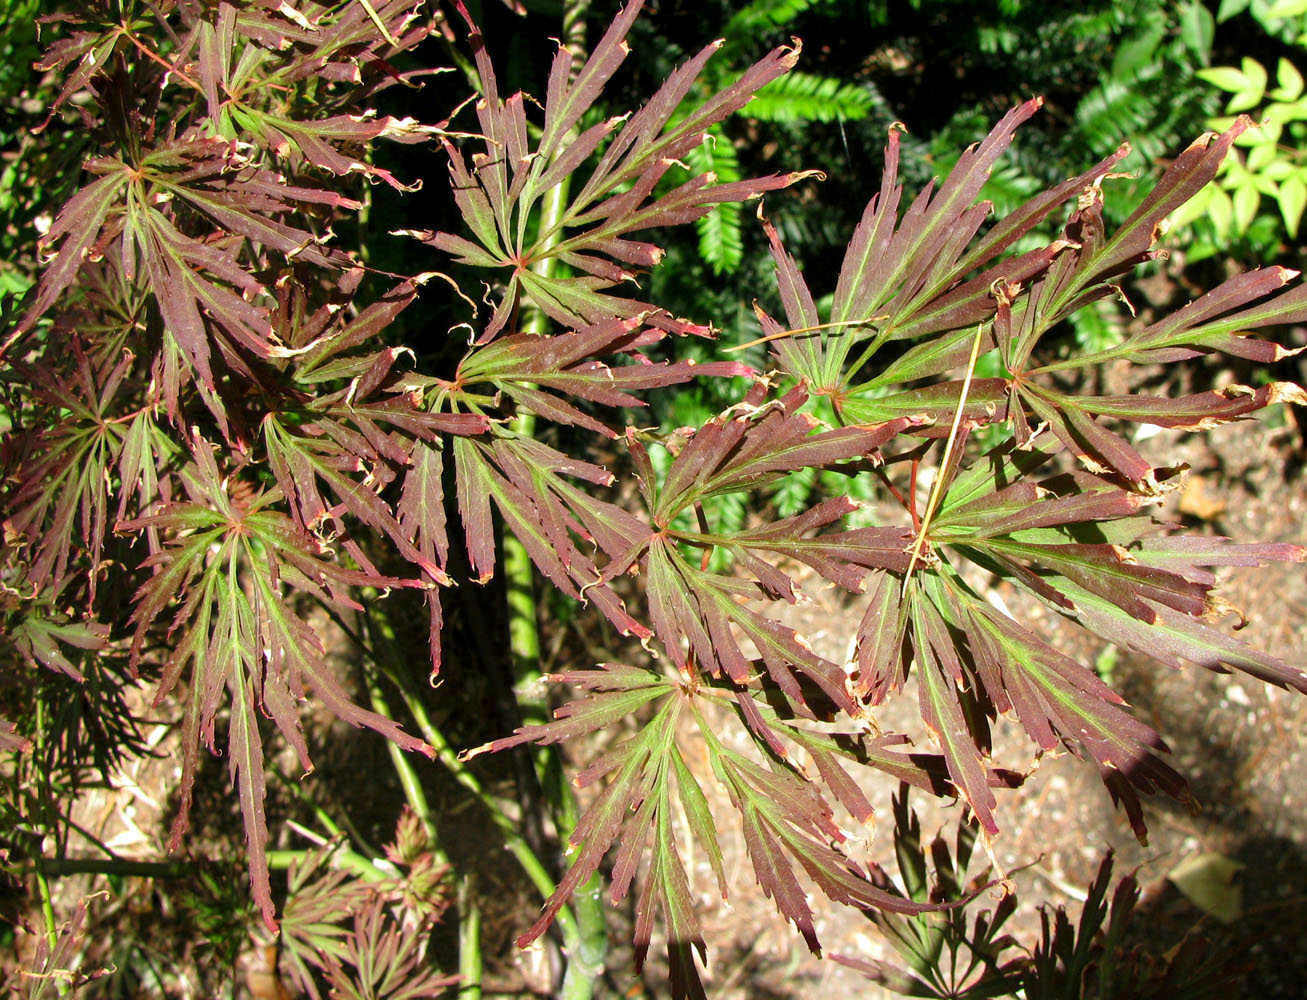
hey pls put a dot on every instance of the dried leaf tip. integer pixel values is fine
(1217, 607)
(802, 175)
(1287, 392)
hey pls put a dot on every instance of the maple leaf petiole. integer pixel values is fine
(937, 487)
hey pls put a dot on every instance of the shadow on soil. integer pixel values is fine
(1248, 782)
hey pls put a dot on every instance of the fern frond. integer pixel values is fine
(720, 242)
(1109, 114)
(806, 97)
(764, 15)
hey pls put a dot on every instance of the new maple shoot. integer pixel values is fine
(211, 409)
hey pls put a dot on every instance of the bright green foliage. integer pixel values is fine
(23, 173)
(1269, 167)
(1271, 163)
(802, 97)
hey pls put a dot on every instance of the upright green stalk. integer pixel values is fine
(47, 909)
(587, 954)
(523, 630)
(469, 941)
(356, 863)
(408, 777)
(43, 883)
(513, 839)
(415, 795)
(575, 932)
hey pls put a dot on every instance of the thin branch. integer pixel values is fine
(154, 56)
(513, 840)
(937, 487)
(414, 793)
(800, 330)
(385, 32)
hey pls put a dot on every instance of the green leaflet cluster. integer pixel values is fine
(789, 826)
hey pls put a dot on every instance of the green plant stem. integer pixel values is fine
(47, 907)
(51, 928)
(586, 962)
(587, 953)
(523, 635)
(523, 629)
(417, 798)
(45, 868)
(513, 840)
(469, 941)
(93, 840)
(383, 654)
(321, 815)
(414, 793)
(357, 863)
(42, 882)
(408, 777)
(454, 54)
